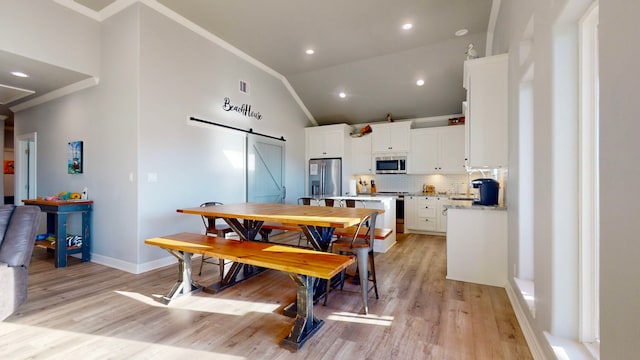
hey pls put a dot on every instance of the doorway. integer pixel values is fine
(25, 187)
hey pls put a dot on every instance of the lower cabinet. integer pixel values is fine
(477, 246)
(424, 213)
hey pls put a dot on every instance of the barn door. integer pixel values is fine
(265, 169)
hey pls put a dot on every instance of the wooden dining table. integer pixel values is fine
(318, 224)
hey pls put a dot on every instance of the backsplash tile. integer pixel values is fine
(450, 184)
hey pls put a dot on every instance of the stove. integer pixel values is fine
(394, 193)
(399, 207)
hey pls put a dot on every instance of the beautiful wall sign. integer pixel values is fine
(244, 109)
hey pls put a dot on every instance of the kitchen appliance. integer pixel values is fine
(399, 208)
(396, 164)
(487, 190)
(325, 177)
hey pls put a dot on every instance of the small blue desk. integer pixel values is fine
(57, 212)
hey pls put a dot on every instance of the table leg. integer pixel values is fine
(86, 236)
(247, 229)
(61, 239)
(185, 284)
(306, 324)
(319, 236)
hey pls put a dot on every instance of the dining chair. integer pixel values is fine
(351, 203)
(362, 248)
(212, 228)
(328, 202)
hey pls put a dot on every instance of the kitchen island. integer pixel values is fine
(477, 244)
(386, 220)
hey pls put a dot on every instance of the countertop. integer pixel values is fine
(448, 196)
(368, 197)
(468, 206)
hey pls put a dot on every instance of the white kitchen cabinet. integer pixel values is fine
(441, 215)
(487, 111)
(361, 159)
(327, 141)
(390, 137)
(477, 246)
(423, 156)
(426, 214)
(437, 150)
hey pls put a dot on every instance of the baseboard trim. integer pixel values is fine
(132, 267)
(530, 336)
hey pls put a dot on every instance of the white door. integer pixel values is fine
(265, 169)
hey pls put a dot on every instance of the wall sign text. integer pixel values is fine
(244, 109)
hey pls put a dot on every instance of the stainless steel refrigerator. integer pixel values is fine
(325, 177)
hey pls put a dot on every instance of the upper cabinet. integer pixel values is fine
(361, 159)
(487, 111)
(327, 141)
(390, 137)
(437, 150)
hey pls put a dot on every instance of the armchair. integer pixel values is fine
(18, 226)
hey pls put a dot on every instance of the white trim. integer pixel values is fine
(120, 5)
(114, 8)
(80, 85)
(80, 9)
(527, 330)
(227, 46)
(135, 268)
(588, 170)
(491, 27)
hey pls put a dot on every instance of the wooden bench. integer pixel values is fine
(303, 265)
(379, 233)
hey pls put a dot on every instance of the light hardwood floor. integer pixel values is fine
(89, 311)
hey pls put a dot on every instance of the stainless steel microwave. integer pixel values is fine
(391, 164)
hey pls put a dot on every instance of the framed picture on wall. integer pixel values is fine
(74, 165)
(9, 166)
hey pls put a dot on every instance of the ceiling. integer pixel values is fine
(360, 49)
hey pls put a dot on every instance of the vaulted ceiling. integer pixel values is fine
(360, 49)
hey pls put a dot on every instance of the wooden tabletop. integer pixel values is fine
(56, 202)
(336, 217)
(279, 257)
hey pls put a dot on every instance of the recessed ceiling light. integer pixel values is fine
(462, 32)
(420, 82)
(19, 74)
(342, 95)
(309, 51)
(407, 26)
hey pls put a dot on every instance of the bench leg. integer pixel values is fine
(306, 323)
(185, 284)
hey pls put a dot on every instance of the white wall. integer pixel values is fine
(555, 214)
(155, 74)
(48, 32)
(619, 160)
